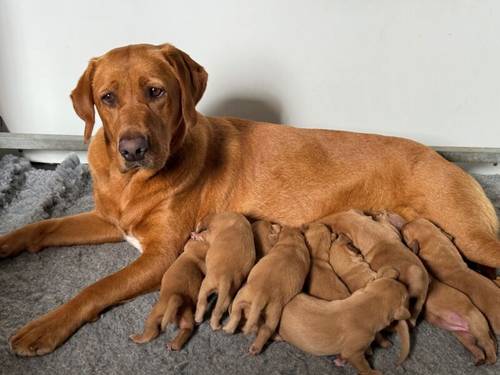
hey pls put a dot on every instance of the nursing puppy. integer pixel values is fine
(450, 309)
(444, 261)
(178, 294)
(322, 281)
(272, 283)
(381, 246)
(230, 256)
(265, 235)
(348, 263)
(345, 327)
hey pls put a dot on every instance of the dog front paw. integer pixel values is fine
(11, 244)
(41, 336)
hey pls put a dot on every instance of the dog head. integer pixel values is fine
(145, 96)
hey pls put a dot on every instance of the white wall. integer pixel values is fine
(426, 69)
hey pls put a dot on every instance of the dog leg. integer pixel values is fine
(206, 289)
(85, 228)
(186, 325)
(223, 302)
(469, 343)
(46, 333)
(266, 330)
(234, 317)
(152, 325)
(359, 362)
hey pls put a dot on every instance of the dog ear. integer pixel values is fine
(192, 79)
(396, 220)
(414, 246)
(387, 272)
(83, 100)
(275, 228)
(402, 313)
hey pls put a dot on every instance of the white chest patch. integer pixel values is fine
(134, 242)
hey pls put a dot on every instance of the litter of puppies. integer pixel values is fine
(331, 287)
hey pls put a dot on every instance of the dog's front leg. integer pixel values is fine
(46, 333)
(85, 228)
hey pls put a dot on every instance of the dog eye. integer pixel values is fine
(155, 92)
(108, 98)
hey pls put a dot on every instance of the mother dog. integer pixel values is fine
(158, 167)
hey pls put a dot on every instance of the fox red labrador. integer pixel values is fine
(158, 166)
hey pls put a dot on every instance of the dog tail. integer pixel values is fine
(404, 337)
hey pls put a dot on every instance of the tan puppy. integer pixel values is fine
(381, 246)
(445, 262)
(230, 256)
(345, 327)
(178, 294)
(265, 235)
(273, 282)
(348, 263)
(322, 281)
(450, 309)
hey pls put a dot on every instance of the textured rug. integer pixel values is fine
(32, 284)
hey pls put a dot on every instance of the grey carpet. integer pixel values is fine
(32, 284)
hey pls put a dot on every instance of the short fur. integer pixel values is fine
(345, 327)
(196, 165)
(382, 247)
(445, 262)
(273, 282)
(450, 309)
(178, 294)
(230, 256)
(322, 282)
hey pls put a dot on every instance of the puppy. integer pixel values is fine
(230, 256)
(178, 294)
(273, 282)
(381, 246)
(265, 235)
(450, 309)
(348, 263)
(345, 327)
(445, 262)
(322, 281)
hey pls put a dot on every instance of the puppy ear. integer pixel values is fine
(414, 246)
(203, 223)
(275, 228)
(192, 80)
(334, 236)
(396, 220)
(387, 272)
(83, 100)
(402, 313)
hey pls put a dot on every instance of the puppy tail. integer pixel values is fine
(404, 337)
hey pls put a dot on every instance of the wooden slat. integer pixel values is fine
(75, 143)
(42, 142)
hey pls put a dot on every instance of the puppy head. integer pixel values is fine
(266, 235)
(318, 239)
(391, 218)
(145, 96)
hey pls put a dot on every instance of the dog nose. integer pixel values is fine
(133, 148)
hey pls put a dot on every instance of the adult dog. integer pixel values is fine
(158, 167)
